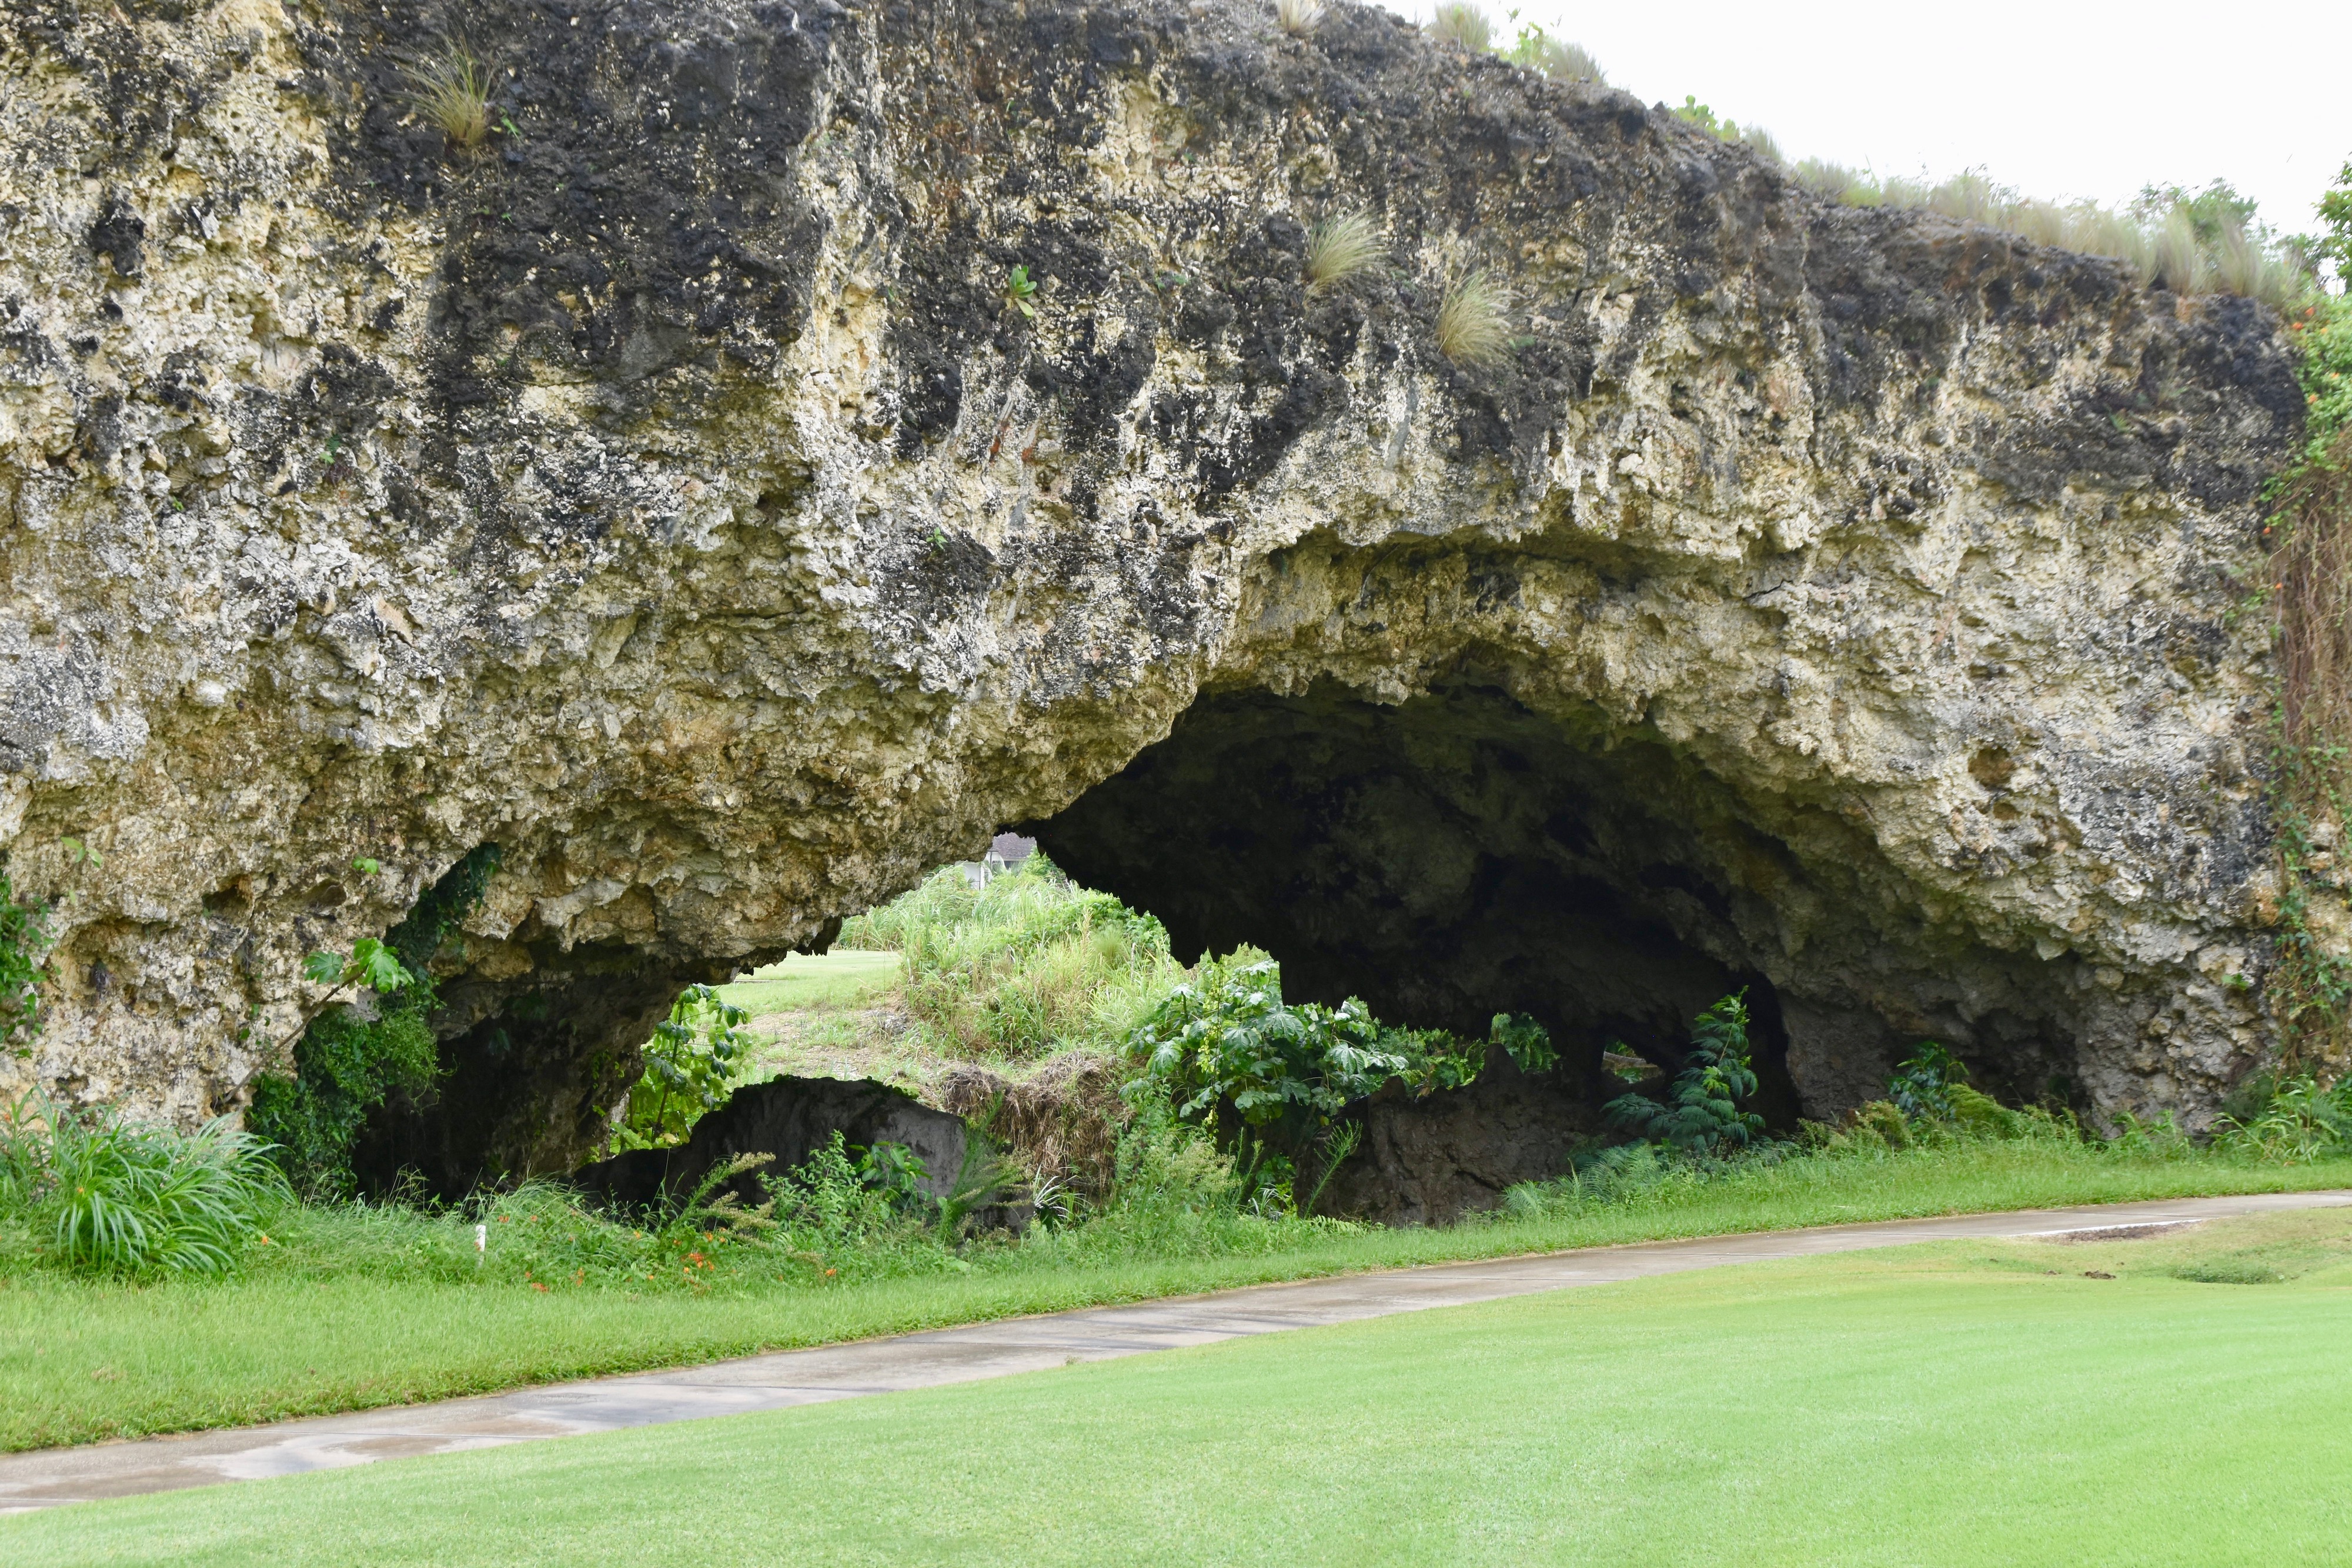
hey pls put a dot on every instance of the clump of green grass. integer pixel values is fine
(1462, 25)
(1473, 321)
(1341, 246)
(1298, 17)
(110, 1195)
(450, 88)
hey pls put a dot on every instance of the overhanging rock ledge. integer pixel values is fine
(674, 495)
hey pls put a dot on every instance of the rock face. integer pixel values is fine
(677, 494)
(1432, 1159)
(790, 1119)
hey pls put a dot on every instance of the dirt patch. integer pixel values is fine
(2125, 1232)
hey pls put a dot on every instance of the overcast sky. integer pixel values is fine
(2057, 98)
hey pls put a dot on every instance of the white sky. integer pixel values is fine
(2058, 98)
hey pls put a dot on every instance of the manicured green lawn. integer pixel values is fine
(1954, 1404)
(838, 978)
(329, 1323)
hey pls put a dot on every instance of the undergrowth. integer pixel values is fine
(93, 1192)
(357, 1055)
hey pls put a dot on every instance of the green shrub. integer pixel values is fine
(1528, 1042)
(1702, 1110)
(2321, 333)
(1023, 968)
(1226, 1039)
(1923, 1086)
(111, 1196)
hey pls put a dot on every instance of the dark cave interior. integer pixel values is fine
(1449, 858)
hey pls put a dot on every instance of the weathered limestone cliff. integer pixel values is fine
(673, 495)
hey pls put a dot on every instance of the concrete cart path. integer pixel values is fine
(49, 1477)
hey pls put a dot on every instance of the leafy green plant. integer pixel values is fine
(1528, 1042)
(24, 943)
(1922, 1085)
(353, 1060)
(1019, 289)
(370, 963)
(691, 1065)
(860, 1211)
(125, 1197)
(1227, 1039)
(1702, 1110)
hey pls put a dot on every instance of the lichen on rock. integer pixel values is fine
(676, 494)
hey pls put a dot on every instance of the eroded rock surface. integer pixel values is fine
(672, 495)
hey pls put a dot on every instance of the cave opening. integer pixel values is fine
(1458, 855)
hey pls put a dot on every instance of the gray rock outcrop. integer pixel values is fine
(677, 494)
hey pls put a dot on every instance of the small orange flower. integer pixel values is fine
(540, 1288)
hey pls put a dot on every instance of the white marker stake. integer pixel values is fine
(481, 1244)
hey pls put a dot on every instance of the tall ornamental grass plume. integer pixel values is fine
(1473, 321)
(106, 1195)
(1298, 17)
(1340, 247)
(450, 88)
(2177, 261)
(1459, 22)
